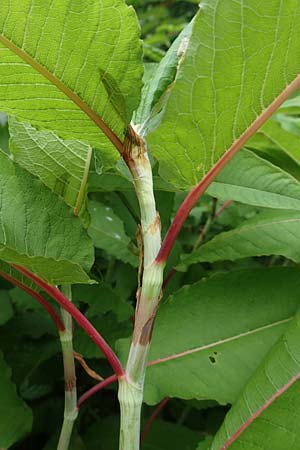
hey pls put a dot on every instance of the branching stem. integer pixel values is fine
(148, 295)
(78, 317)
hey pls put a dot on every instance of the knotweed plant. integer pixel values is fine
(92, 130)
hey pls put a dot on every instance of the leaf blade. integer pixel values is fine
(253, 180)
(272, 233)
(216, 111)
(15, 416)
(268, 403)
(213, 334)
(38, 230)
(64, 80)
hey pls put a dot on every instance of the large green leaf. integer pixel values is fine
(62, 61)
(255, 181)
(277, 427)
(107, 231)
(62, 165)
(38, 230)
(219, 91)
(275, 137)
(15, 416)
(210, 337)
(271, 233)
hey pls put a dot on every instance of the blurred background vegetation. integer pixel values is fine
(161, 22)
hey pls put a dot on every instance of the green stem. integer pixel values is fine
(70, 411)
(148, 296)
(207, 225)
(131, 398)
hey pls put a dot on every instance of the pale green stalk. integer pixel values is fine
(70, 411)
(131, 387)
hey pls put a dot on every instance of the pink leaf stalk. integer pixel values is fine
(38, 297)
(78, 317)
(153, 416)
(198, 190)
(98, 387)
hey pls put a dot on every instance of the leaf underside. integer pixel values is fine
(218, 91)
(69, 67)
(62, 165)
(38, 230)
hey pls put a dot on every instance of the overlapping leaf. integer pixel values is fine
(255, 181)
(212, 335)
(69, 65)
(107, 231)
(219, 90)
(277, 426)
(38, 230)
(15, 416)
(62, 165)
(272, 233)
(275, 137)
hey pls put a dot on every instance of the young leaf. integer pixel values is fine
(270, 233)
(267, 412)
(71, 67)
(255, 181)
(38, 230)
(61, 165)
(212, 335)
(218, 92)
(155, 86)
(15, 416)
(107, 231)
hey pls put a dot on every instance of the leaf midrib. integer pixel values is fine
(65, 89)
(220, 342)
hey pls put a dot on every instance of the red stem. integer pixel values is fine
(198, 190)
(260, 411)
(215, 216)
(153, 416)
(169, 278)
(38, 297)
(221, 209)
(96, 389)
(78, 317)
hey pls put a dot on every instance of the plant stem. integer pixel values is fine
(148, 296)
(222, 208)
(153, 416)
(71, 411)
(98, 387)
(131, 398)
(205, 229)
